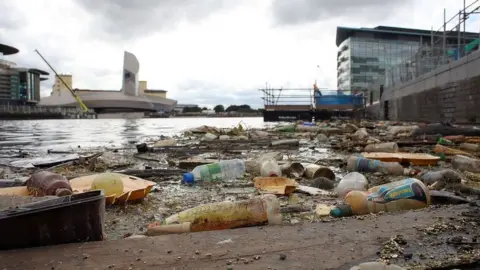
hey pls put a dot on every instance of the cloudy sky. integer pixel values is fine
(202, 51)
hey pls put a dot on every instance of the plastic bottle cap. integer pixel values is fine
(188, 178)
(342, 210)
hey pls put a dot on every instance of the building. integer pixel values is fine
(179, 108)
(364, 54)
(18, 85)
(59, 86)
(130, 98)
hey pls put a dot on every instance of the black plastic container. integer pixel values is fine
(68, 219)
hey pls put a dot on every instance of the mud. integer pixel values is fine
(427, 239)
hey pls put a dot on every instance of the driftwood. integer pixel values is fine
(81, 160)
(153, 172)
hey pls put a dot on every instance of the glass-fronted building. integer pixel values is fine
(18, 85)
(365, 54)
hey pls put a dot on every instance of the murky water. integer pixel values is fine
(39, 136)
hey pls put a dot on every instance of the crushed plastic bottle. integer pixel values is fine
(218, 171)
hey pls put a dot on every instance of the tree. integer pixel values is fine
(192, 109)
(219, 108)
(205, 108)
(241, 108)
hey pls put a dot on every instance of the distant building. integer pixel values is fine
(59, 87)
(208, 112)
(129, 98)
(180, 107)
(18, 85)
(364, 54)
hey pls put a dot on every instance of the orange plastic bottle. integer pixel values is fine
(229, 215)
(407, 194)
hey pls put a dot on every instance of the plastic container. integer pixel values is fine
(351, 181)
(270, 168)
(68, 219)
(229, 215)
(223, 170)
(45, 183)
(407, 194)
(389, 147)
(360, 164)
(464, 163)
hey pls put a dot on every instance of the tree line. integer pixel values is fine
(220, 108)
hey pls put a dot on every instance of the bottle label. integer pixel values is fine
(213, 173)
(366, 165)
(406, 189)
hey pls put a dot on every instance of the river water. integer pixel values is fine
(39, 136)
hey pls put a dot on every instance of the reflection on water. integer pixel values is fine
(36, 137)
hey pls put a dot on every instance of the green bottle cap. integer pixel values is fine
(342, 210)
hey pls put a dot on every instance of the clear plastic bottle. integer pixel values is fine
(222, 170)
(464, 163)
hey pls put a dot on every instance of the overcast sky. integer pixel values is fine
(202, 51)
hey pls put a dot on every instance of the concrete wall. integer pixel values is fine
(451, 93)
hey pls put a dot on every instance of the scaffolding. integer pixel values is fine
(447, 44)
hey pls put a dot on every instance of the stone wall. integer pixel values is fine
(450, 93)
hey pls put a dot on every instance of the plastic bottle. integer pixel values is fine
(465, 163)
(389, 147)
(444, 141)
(470, 147)
(360, 164)
(351, 181)
(407, 194)
(45, 183)
(447, 175)
(223, 170)
(229, 215)
(270, 168)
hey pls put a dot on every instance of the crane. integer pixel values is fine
(77, 98)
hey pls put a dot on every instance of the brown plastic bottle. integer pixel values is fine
(45, 183)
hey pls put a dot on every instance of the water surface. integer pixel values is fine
(36, 137)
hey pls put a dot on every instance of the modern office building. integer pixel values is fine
(364, 54)
(18, 85)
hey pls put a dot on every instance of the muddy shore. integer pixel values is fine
(435, 237)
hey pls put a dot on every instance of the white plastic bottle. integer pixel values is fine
(270, 168)
(218, 171)
(351, 181)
